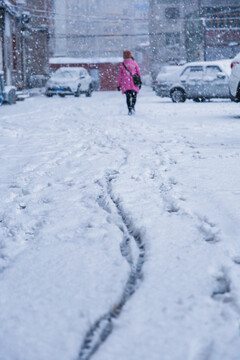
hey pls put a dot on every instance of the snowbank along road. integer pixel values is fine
(119, 236)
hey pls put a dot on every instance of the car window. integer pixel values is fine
(212, 70)
(193, 72)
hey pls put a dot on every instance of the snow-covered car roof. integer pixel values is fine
(225, 64)
(71, 71)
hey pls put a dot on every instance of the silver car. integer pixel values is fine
(198, 81)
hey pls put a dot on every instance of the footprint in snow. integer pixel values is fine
(236, 259)
(222, 284)
(201, 349)
(209, 230)
(173, 207)
(172, 181)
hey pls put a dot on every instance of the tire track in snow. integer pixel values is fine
(104, 326)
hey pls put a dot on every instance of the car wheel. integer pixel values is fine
(78, 92)
(49, 95)
(89, 92)
(12, 97)
(62, 95)
(178, 95)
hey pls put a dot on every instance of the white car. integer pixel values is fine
(197, 80)
(69, 81)
(234, 79)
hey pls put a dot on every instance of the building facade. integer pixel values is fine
(99, 28)
(166, 32)
(25, 33)
(218, 24)
(10, 47)
(189, 30)
(37, 33)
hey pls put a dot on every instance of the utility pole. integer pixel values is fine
(203, 28)
(204, 38)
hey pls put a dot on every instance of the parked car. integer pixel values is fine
(69, 81)
(197, 80)
(234, 79)
(7, 93)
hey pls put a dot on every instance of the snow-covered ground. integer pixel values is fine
(120, 226)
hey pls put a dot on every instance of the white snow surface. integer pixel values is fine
(174, 171)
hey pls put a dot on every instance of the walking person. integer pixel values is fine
(129, 80)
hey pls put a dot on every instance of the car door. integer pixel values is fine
(215, 82)
(192, 81)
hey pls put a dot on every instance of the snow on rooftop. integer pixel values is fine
(71, 60)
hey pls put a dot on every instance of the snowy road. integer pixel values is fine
(133, 220)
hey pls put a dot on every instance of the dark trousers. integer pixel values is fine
(131, 97)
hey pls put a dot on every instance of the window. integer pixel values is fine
(193, 72)
(172, 39)
(222, 18)
(172, 13)
(212, 70)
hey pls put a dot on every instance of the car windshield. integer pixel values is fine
(66, 74)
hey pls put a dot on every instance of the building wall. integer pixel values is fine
(1, 54)
(102, 28)
(25, 29)
(219, 31)
(36, 34)
(1, 37)
(10, 46)
(7, 50)
(167, 36)
(60, 23)
(180, 34)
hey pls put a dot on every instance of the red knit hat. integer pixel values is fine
(127, 54)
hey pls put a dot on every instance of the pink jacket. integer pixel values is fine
(125, 80)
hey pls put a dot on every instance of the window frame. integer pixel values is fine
(176, 36)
